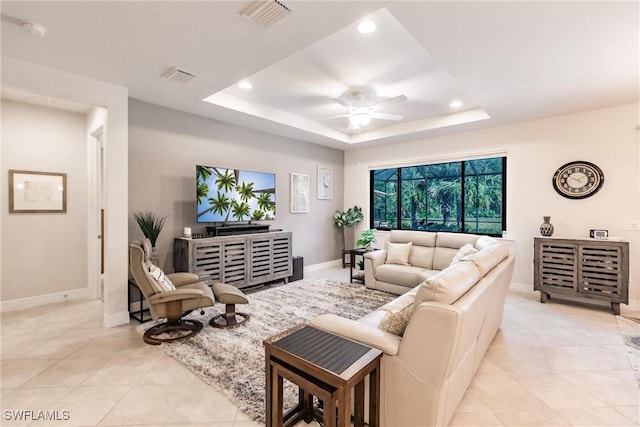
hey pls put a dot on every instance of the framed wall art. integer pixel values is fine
(324, 183)
(299, 193)
(37, 192)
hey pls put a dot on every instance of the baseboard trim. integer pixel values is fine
(323, 265)
(38, 300)
(634, 305)
(116, 319)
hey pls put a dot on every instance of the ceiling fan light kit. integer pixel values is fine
(363, 104)
(359, 120)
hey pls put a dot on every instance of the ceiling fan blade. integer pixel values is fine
(389, 101)
(334, 117)
(341, 102)
(386, 116)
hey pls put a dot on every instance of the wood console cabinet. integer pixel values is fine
(585, 268)
(242, 260)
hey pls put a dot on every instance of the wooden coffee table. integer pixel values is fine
(323, 365)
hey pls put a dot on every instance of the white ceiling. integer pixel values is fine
(507, 61)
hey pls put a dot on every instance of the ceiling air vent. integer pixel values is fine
(178, 75)
(267, 12)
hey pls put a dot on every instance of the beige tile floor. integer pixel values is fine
(550, 365)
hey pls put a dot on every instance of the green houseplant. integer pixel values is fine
(367, 237)
(347, 219)
(151, 225)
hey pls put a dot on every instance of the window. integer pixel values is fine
(467, 196)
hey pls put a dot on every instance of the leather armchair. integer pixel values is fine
(189, 294)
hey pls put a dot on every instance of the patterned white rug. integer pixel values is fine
(232, 360)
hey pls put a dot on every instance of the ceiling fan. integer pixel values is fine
(363, 104)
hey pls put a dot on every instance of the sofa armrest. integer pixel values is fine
(183, 278)
(371, 261)
(376, 257)
(357, 331)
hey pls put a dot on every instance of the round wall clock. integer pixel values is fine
(578, 180)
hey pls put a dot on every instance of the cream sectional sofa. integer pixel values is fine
(451, 319)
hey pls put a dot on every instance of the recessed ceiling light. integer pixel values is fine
(245, 85)
(455, 104)
(33, 28)
(366, 27)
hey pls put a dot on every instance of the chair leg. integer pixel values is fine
(230, 318)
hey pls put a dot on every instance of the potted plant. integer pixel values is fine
(347, 219)
(151, 225)
(367, 237)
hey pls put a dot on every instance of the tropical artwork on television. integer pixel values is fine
(233, 195)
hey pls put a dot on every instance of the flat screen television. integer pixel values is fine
(233, 195)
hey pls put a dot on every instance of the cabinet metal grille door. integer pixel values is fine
(558, 267)
(235, 259)
(601, 272)
(207, 262)
(260, 259)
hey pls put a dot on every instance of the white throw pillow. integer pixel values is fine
(163, 282)
(398, 253)
(465, 250)
(484, 242)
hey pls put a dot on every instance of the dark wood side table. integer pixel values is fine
(352, 258)
(324, 365)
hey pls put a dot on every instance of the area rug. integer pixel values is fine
(630, 329)
(232, 360)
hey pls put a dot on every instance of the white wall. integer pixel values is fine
(44, 252)
(535, 149)
(61, 85)
(165, 146)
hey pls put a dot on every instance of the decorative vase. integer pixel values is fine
(154, 256)
(349, 235)
(546, 228)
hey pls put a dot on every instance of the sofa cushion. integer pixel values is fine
(488, 257)
(447, 245)
(398, 314)
(450, 284)
(402, 275)
(467, 249)
(425, 274)
(419, 238)
(421, 256)
(398, 253)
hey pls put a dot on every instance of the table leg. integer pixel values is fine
(352, 260)
(276, 396)
(306, 403)
(359, 404)
(329, 418)
(374, 397)
(344, 407)
(267, 381)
